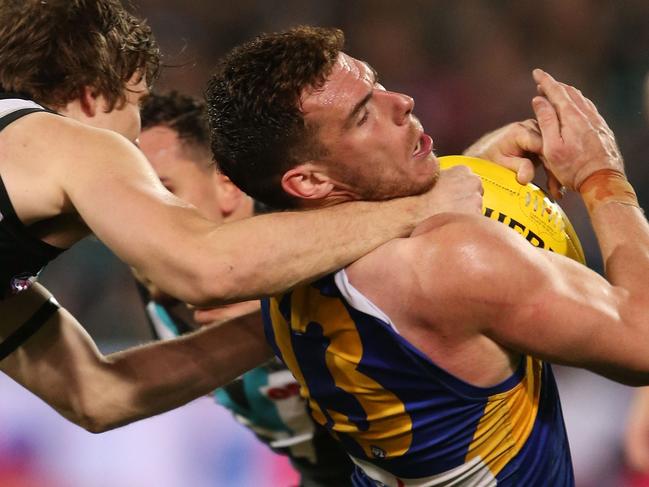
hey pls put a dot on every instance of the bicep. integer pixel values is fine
(488, 281)
(556, 309)
(118, 195)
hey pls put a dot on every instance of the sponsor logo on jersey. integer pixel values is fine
(277, 393)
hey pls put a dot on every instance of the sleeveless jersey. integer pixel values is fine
(404, 420)
(22, 256)
(266, 400)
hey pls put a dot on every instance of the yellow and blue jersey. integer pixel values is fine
(266, 400)
(404, 420)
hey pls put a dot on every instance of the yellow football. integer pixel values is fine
(524, 208)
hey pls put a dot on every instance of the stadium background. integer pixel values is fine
(467, 64)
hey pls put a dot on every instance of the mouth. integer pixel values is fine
(424, 146)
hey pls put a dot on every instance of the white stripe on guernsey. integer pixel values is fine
(472, 474)
(357, 301)
(163, 330)
(11, 105)
(292, 412)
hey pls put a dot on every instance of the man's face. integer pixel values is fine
(184, 170)
(374, 147)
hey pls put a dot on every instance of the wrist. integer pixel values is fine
(607, 186)
(411, 211)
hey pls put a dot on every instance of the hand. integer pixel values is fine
(457, 190)
(514, 146)
(576, 139)
(220, 314)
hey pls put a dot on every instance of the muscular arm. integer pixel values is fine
(536, 302)
(110, 184)
(62, 365)
(475, 278)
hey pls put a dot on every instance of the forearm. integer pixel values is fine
(161, 376)
(62, 365)
(620, 226)
(268, 254)
(203, 263)
(623, 235)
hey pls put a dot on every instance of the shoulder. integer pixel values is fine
(58, 139)
(446, 239)
(450, 258)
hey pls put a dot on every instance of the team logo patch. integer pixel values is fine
(377, 452)
(21, 283)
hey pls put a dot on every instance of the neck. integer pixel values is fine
(334, 198)
(244, 210)
(74, 111)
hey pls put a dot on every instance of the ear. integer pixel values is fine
(89, 101)
(307, 181)
(230, 196)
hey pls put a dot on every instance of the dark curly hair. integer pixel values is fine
(184, 114)
(253, 102)
(51, 49)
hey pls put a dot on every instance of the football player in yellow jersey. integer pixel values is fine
(428, 357)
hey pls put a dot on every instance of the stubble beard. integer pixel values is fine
(385, 189)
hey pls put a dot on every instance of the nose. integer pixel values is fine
(402, 107)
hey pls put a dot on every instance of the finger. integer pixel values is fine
(523, 167)
(525, 172)
(551, 88)
(529, 139)
(532, 125)
(548, 119)
(583, 103)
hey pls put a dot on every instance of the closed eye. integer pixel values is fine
(364, 118)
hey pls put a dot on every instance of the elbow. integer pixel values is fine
(211, 281)
(214, 288)
(92, 425)
(100, 421)
(92, 422)
(99, 411)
